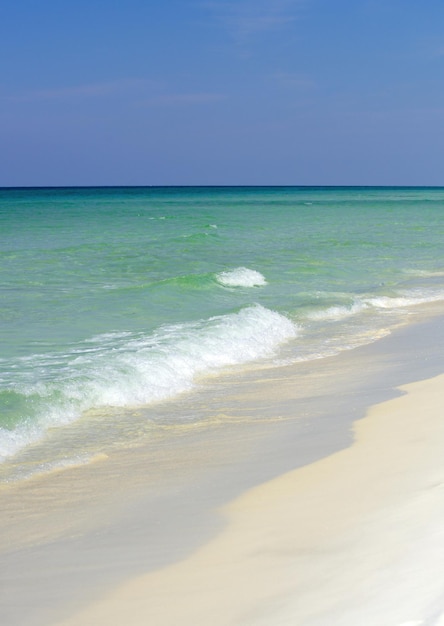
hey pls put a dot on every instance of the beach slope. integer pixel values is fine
(354, 538)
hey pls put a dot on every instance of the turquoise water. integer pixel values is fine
(115, 298)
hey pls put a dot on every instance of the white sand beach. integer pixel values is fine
(355, 538)
(208, 527)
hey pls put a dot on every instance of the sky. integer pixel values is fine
(221, 92)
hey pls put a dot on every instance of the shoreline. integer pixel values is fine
(92, 528)
(353, 538)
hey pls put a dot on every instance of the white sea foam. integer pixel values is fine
(361, 304)
(24, 472)
(411, 298)
(124, 370)
(11, 441)
(337, 312)
(425, 273)
(241, 277)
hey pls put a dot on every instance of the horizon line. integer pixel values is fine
(221, 186)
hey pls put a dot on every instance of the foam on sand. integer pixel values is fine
(355, 538)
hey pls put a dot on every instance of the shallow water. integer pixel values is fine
(116, 299)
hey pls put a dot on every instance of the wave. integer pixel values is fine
(409, 299)
(337, 312)
(367, 303)
(127, 369)
(241, 277)
(425, 273)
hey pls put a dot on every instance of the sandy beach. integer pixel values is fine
(325, 510)
(354, 538)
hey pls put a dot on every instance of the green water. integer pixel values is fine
(119, 297)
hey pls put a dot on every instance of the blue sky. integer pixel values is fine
(221, 92)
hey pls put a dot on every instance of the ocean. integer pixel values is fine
(115, 301)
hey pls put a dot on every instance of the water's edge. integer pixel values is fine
(144, 508)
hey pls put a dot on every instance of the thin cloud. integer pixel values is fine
(93, 90)
(437, 52)
(294, 81)
(245, 19)
(184, 99)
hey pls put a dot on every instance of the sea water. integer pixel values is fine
(114, 299)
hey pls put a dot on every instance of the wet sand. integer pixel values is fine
(311, 495)
(355, 538)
